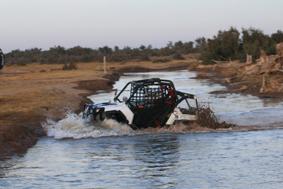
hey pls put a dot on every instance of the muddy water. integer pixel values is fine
(113, 156)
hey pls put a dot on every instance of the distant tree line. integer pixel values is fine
(60, 54)
(226, 45)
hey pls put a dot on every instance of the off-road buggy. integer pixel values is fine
(145, 103)
(2, 60)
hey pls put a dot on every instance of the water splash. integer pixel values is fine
(74, 126)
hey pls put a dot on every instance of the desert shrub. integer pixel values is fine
(178, 56)
(70, 66)
(21, 64)
(161, 60)
(144, 58)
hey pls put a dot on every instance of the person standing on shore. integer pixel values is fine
(2, 60)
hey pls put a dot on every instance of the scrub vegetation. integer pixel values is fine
(227, 45)
(233, 45)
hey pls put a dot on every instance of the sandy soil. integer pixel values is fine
(29, 94)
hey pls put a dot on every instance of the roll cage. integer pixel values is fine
(167, 87)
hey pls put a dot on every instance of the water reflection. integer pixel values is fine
(4, 166)
(158, 157)
(269, 102)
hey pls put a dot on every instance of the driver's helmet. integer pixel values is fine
(125, 99)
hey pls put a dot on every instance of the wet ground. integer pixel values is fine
(114, 156)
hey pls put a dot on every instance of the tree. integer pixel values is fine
(254, 40)
(116, 49)
(224, 46)
(142, 48)
(278, 36)
(200, 44)
(105, 51)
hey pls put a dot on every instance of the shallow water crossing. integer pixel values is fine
(78, 155)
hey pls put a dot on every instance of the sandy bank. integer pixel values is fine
(263, 79)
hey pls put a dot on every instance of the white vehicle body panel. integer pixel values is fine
(177, 115)
(123, 108)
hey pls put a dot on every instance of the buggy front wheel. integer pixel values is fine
(99, 116)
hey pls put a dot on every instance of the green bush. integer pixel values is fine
(178, 56)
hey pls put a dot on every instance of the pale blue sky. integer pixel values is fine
(93, 23)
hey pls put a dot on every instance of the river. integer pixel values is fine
(76, 155)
